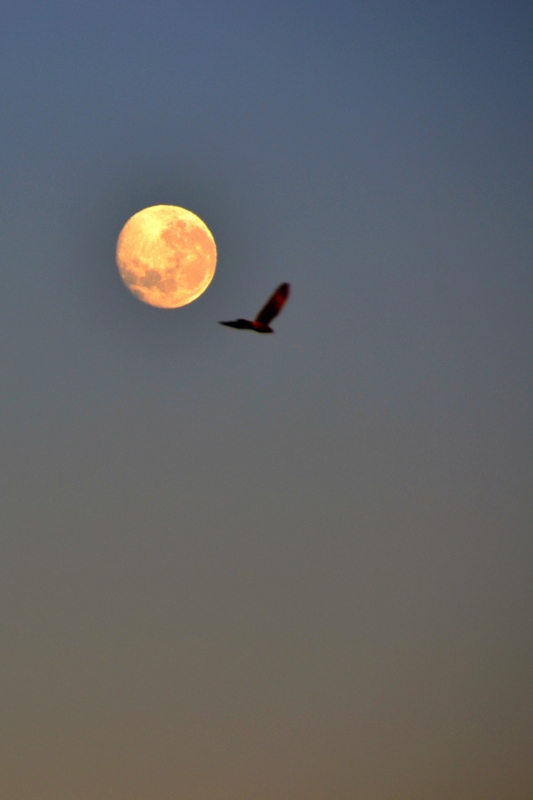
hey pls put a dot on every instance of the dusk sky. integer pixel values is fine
(288, 567)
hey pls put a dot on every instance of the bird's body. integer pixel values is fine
(267, 313)
(250, 325)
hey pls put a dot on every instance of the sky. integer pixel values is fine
(289, 567)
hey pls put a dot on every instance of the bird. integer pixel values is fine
(270, 310)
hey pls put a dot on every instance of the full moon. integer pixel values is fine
(166, 256)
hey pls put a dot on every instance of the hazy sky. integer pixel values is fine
(290, 567)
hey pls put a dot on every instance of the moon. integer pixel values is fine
(166, 256)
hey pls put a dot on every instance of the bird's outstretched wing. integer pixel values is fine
(274, 305)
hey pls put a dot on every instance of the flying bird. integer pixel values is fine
(267, 313)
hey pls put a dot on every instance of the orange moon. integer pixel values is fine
(166, 256)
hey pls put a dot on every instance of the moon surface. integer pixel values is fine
(166, 256)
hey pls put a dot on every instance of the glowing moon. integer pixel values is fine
(166, 256)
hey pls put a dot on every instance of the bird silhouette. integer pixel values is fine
(267, 313)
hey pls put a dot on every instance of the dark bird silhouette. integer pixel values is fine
(267, 313)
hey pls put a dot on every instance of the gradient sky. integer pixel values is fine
(290, 567)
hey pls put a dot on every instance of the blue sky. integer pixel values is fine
(288, 567)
